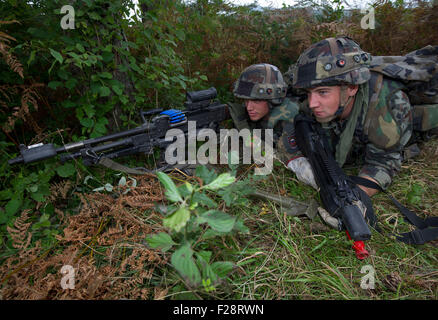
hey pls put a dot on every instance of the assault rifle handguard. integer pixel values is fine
(339, 195)
(201, 107)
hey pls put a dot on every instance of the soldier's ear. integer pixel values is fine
(352, 90)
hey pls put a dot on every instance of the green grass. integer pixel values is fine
(283, 257)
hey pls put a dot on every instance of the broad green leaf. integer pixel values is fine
(104, 91)
(218, 220)
(240, 227)
(54, 84)
(71, 83)
(106, 75)
(222, 268)
(56, 55)
(177, 220)
(222, 181)
(87, 122)
(203, 262)
(6, 194)
(206, 255)
(206, 175)
(204, 200)
(66, 170)
(161, 241)
(12, 206)
(80, 47)
(171, 193)
(117, 89)
(31, 58)
(37, 196)
(182, 260)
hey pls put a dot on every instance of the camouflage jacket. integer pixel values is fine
(383, 129)
(280, 119)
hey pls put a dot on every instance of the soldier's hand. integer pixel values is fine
(302, 168)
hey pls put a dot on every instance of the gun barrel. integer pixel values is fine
(104, 147)
(89, 142)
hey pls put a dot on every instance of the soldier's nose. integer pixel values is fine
(313, 102)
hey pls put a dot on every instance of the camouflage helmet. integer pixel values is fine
(332, 61)
(261, 82)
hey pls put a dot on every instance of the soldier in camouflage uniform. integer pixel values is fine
(358, 121)
(265, 106)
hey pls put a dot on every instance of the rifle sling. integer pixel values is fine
(427, 228)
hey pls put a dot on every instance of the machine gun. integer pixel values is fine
(201, 107)
(340, 196)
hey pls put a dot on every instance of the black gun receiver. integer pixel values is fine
(339, 195)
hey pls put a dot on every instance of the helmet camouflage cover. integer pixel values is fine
(332, 61)
(261, 82)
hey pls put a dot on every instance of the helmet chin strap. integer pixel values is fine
(343, 102)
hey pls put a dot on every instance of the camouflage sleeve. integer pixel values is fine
(287, 148)
(383, 155)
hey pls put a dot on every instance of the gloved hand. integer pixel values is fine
(302, 168)
(332, 221)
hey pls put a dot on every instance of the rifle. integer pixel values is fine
(201, 107)
(340, 196)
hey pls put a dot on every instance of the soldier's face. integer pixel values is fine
(256, 109)
(324, 102)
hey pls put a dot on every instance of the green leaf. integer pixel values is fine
(56, 55)
(80, 47)
(67, 170)
(207, 271)
(6, 194)
(171, 193)
(12, 206)
(205, 255)
(54, 84)
(218, 220)
(240, 227)
(161, 241)
(31, 58)
(106, 75)
(177, 220)
(71, 83)
(206, 175)
(87, 122)
(222, 181)
(180, 35)
(204, 200)
(104, 91)
(222, 268)
(182, 260)
(117, 89)
(37, 196)
(94, 15)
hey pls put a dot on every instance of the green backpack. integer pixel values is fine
(417, 71)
